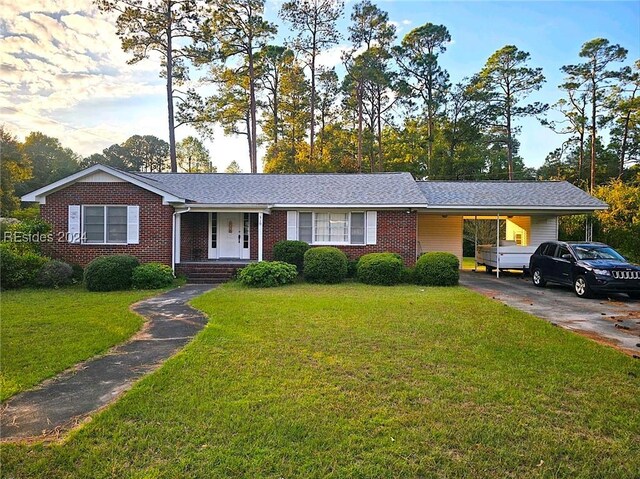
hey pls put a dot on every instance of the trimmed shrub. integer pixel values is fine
(110, 273)
(152, 276)
(325, 264)
(437, 269)
(291, 252)
(268, 274)
(17, 270)
(380, 268)
(408, 276)
(54, 273)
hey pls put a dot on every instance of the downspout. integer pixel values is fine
(173, 238)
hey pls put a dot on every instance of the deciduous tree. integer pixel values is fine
(14, 168)
(50, 161)
(193, 157)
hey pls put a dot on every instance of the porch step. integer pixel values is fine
(208, 273)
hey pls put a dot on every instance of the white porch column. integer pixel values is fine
(475, 244)
(260, 221)
(498, 246)
(176, 240)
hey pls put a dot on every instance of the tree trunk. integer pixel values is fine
(581, 154)
(623, 147)
(312, 129)
(253, 154)
(379, 114)
(247, 121)
(359, 100)
(509, 144)
(592, 176)
(169, 72)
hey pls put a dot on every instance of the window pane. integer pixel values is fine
(339, 227)
(305, 227)
(94, 224)
(245, 241)
(357, 228)
(214, 230)
(116, 224)
(322, 227)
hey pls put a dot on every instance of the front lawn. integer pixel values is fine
(45, 331)
(354, 381)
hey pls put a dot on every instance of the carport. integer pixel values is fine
(529, 208)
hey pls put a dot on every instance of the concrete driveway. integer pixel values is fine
(613, 320)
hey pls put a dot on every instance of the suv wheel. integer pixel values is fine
(581, 287)
(537, 278)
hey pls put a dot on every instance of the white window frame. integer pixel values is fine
(104, 232)
(333, 243)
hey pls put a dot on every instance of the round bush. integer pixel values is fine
(110, 273)
(267, 274)
(54, 273)
(18, 269)
(152, 276)
(325, 264)
(291, 252)
(437, 269)
(380, 268)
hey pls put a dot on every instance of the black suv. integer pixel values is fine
(587, 267)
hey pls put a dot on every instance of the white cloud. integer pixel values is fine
(65, 74)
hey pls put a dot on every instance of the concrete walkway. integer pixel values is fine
(66, 400)
(612, 319)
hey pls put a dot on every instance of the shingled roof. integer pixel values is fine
(390, 190)
(382, 189)
(513, 194)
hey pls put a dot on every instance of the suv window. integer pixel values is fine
(562, 250)
(549, 249)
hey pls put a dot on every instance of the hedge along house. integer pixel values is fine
(196, 222)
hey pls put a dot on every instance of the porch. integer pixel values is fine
(227, 236)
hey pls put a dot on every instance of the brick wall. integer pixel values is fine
(155, 222)
(194, 236)
(396, 234)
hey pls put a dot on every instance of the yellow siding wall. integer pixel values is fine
(436, 233)
(519, 225)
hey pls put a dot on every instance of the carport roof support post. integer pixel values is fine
(498, 245)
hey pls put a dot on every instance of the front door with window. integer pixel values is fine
(230, 228)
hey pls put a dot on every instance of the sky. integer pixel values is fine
(62, 71)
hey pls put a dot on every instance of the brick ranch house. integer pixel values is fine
(188, 219)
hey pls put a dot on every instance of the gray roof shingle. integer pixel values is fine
(526, 194)
(293, 189)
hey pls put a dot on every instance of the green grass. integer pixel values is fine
(469, 263)
(354, 381)
(45, 331)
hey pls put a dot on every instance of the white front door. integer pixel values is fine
(230, 228)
